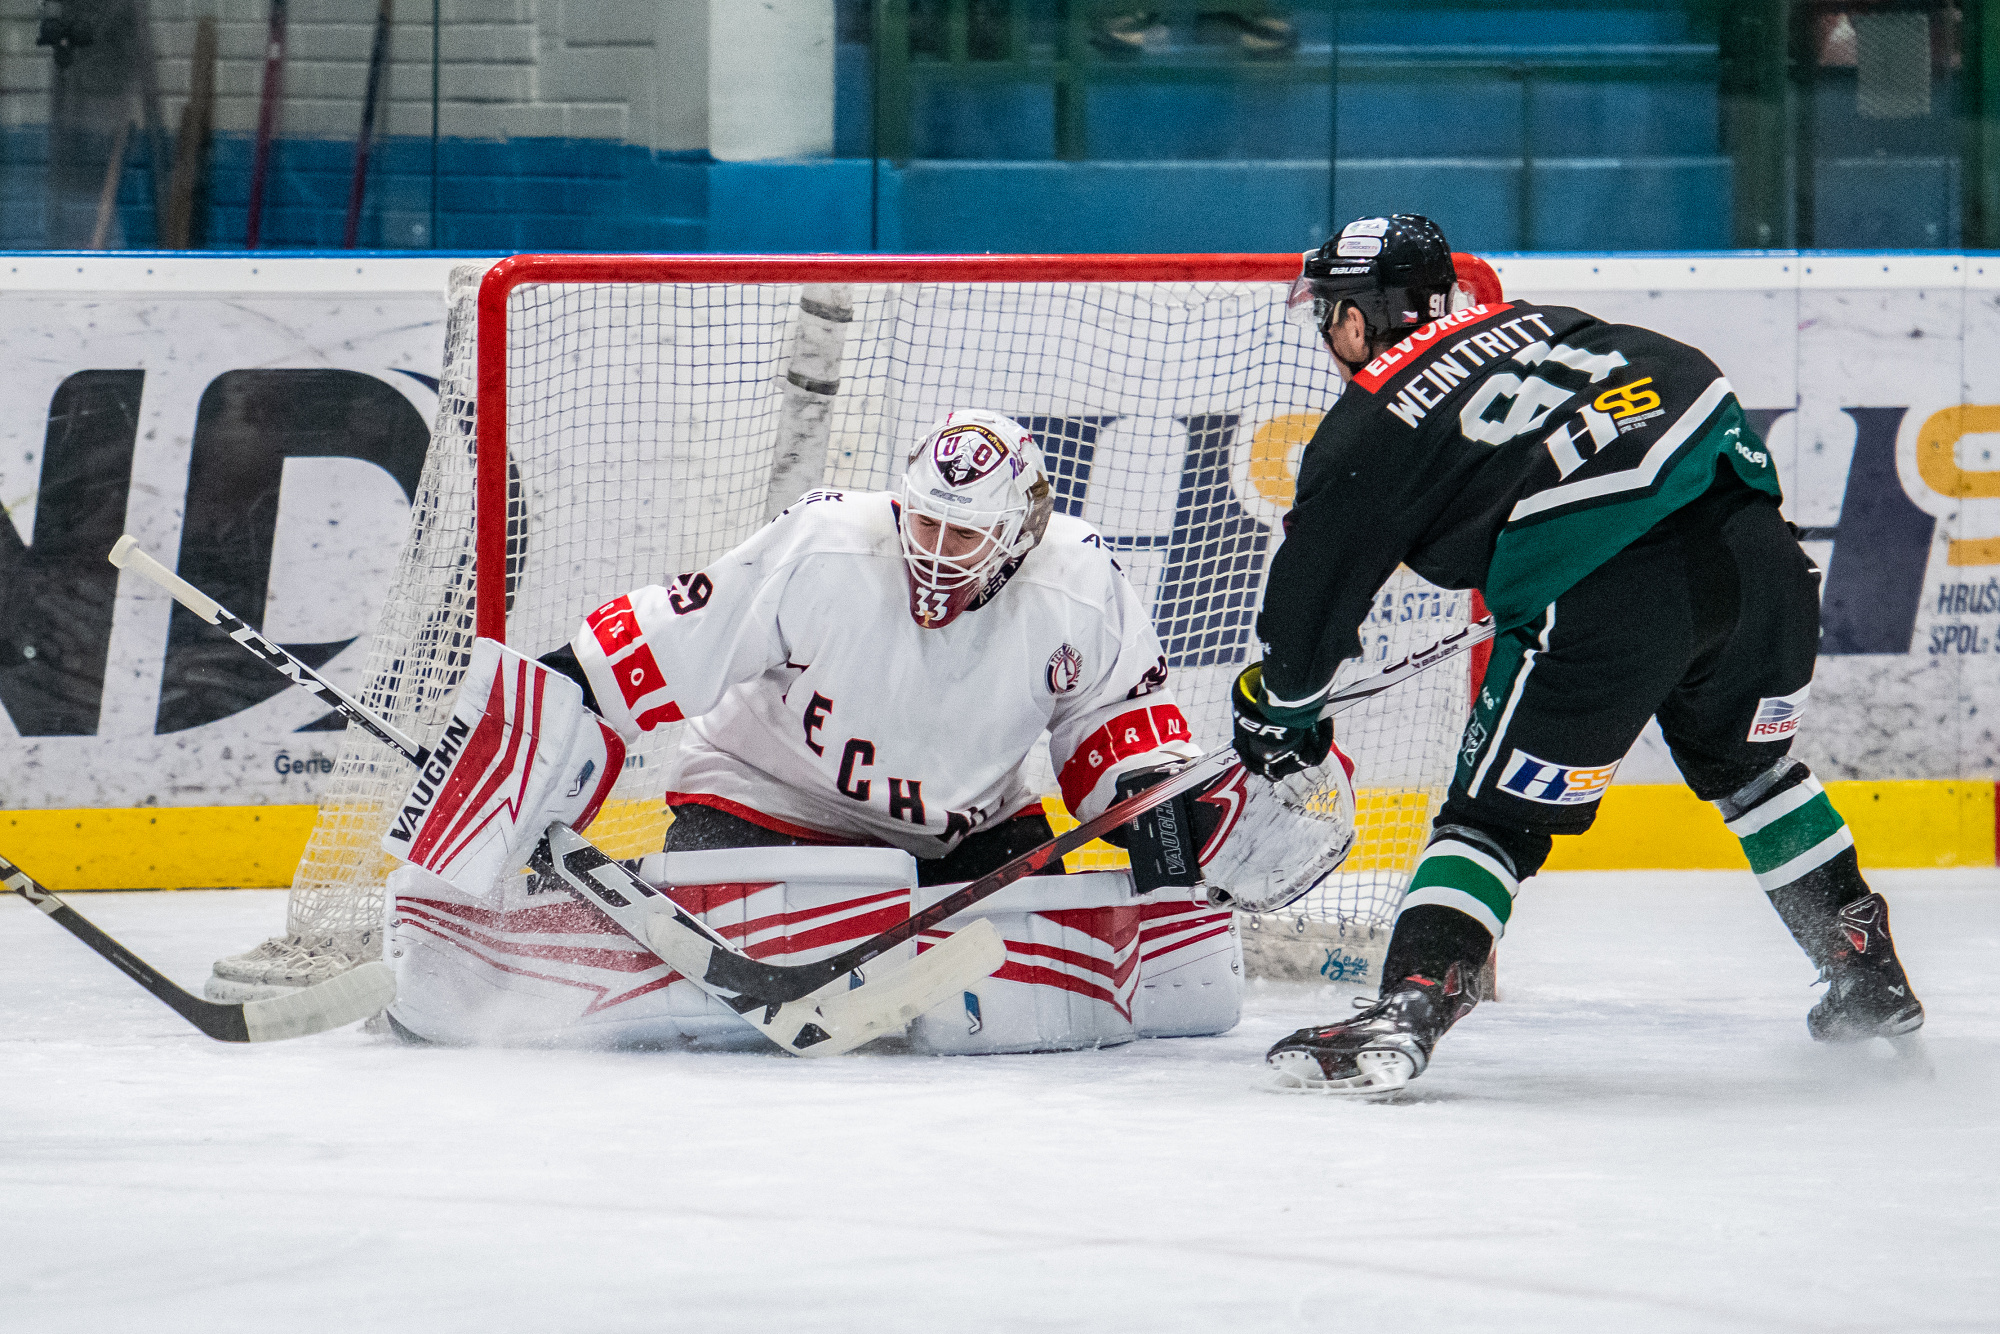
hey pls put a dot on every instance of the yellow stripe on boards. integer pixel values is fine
(158, 847)
(1914, 823)
(628, 829)
(1910, 823)
(1391, 826)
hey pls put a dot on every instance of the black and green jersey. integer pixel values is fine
(1511, 448)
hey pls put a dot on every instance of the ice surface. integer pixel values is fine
(1637, 1137)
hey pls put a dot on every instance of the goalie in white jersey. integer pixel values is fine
(876, 669)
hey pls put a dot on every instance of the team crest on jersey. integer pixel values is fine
(1065, 670)
(1777, 717)
(964, 454)
(1535, 779)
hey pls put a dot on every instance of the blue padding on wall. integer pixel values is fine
(1102, 206)
(789, 207)
(595, 195)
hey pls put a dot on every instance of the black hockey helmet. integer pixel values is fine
(1396, 270)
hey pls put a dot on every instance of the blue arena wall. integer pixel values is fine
(594, 195)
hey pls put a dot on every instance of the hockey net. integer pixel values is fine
(606, 422)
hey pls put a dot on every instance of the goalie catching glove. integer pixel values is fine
(519, 752)
(1256, 846)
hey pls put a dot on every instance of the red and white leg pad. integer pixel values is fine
(521, 969)
(1190, 970)
(548, 968)
(784, 905)
(1088, 964)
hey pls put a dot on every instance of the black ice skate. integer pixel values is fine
(1867, 994)
(1379, 1050)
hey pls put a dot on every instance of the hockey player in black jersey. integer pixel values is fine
(1601, 485)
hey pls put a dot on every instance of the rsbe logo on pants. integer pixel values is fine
(1535, 779)
(1779, 716)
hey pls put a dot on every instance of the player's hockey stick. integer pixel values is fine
(728, 970)
(126, 554)
(832, 1024)
(352, 995)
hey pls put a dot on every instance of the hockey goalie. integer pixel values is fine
(864, 683)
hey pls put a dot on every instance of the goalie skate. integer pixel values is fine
(1380, 1050)
(286, 964)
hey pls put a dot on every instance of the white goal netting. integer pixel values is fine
(653, 425)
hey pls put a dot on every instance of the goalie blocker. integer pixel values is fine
(520, 752)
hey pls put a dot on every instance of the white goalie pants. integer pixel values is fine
(1088, 963)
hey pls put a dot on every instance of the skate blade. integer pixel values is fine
(1379, 1076)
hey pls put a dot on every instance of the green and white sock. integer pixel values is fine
(1792, 834)
(1460, 876)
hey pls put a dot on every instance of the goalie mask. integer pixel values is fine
(975, 501)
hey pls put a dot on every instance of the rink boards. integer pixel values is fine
(1875, 380)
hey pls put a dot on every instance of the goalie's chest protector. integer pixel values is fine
(833, 710)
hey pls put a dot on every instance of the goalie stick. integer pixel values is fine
(833, 1024)
(353, 995)
(689, 946)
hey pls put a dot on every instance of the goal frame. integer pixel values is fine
(333, 912)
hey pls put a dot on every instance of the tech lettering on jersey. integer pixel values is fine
(859, 754)
(906, 795)
(817, 708)
(906, 805)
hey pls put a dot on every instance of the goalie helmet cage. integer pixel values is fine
(606, 422)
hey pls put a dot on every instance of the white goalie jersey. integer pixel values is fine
(818, 706)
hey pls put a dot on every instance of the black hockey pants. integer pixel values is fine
(1710, 622)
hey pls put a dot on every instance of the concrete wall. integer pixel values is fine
(632, 71)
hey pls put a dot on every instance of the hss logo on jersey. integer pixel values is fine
(1536, 779)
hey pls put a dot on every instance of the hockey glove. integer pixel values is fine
(1276, 743)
